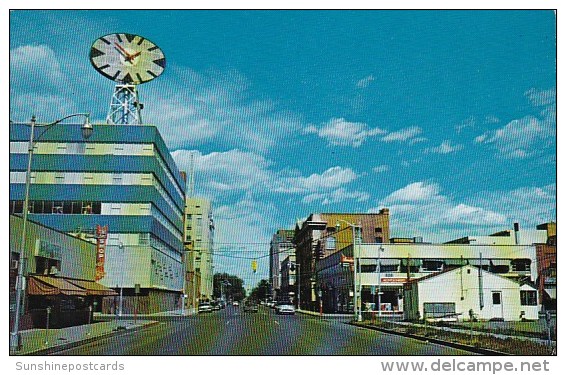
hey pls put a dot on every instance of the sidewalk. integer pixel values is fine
(41, 341)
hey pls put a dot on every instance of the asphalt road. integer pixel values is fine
(233, 332)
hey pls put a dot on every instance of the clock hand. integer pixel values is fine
(126, 54)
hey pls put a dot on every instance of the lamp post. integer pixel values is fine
(357, 311)
(121, 300)
(381, 249)
(297, 282)
(87, 131)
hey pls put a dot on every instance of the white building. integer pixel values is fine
(402, 263)
(466, 291)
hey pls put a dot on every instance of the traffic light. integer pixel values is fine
(254, 265)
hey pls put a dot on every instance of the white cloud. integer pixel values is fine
(517, 139)
(37, 65)
(416, 191)
(467, 123)
(403, 134)
(331, 178)
(233, 170)
(421, 209)
(47, 107)
(365, 82)
(524, 137)
(381, 168)
(339, 132)
(530, 205)
(541, 97)
(336, 196)
(444, 148)
(216, 107)
(38, 85)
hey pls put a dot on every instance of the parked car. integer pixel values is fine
(235, 304)
(284, 307)
(250, 306)
(204, 307)
(222, 304)
(215, 305)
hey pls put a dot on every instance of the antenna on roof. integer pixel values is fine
(192, 176)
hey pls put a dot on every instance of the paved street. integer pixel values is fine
(233, 332)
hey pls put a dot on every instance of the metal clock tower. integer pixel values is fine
(129, 60)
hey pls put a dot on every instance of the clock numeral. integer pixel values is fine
(104, 67)
(95, 53)
(153, 48)
(152, 74)
(160, 62)
(127, 78)
(105, 41)
(140, 79)
(116, 75)
(129, 37)
(119, 38)
(141, 40)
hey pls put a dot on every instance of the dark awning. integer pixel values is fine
(92, 288)
(49, 286)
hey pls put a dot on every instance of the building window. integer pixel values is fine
(117, 179)
(521, 265)
(528, 298)
(18, 207)
(57, 207)
(48, 207)
(67, 207)
(496, 298)
(368, 268)
(59, 177)
(331, 243)
(378, 230)
(432, 265)
(378, 239)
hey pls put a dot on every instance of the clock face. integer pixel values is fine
(127, 58)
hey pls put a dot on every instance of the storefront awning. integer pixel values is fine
(368, 261)
(40, 285)
(390, 262)
(50, 286)
(500, 262)
(93, 289)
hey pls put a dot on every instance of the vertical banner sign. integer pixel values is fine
(101, 234)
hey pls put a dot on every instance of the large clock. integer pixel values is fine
(127, 58)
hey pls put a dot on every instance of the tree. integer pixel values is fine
(233, 286)
(261, 291)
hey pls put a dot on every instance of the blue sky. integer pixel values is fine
(445, 117)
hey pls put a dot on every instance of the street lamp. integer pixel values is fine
(223, 283)
(87, 131)
(121, 247)
(381, 249)
(298, 282)
(357, 312)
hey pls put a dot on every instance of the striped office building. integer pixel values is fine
(124, 178)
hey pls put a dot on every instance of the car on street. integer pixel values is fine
(215, 305)
(204, 307)
(284, 307)
(235, 304)
(250, 306)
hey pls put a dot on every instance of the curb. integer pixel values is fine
(54, 349)
(455, 345)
